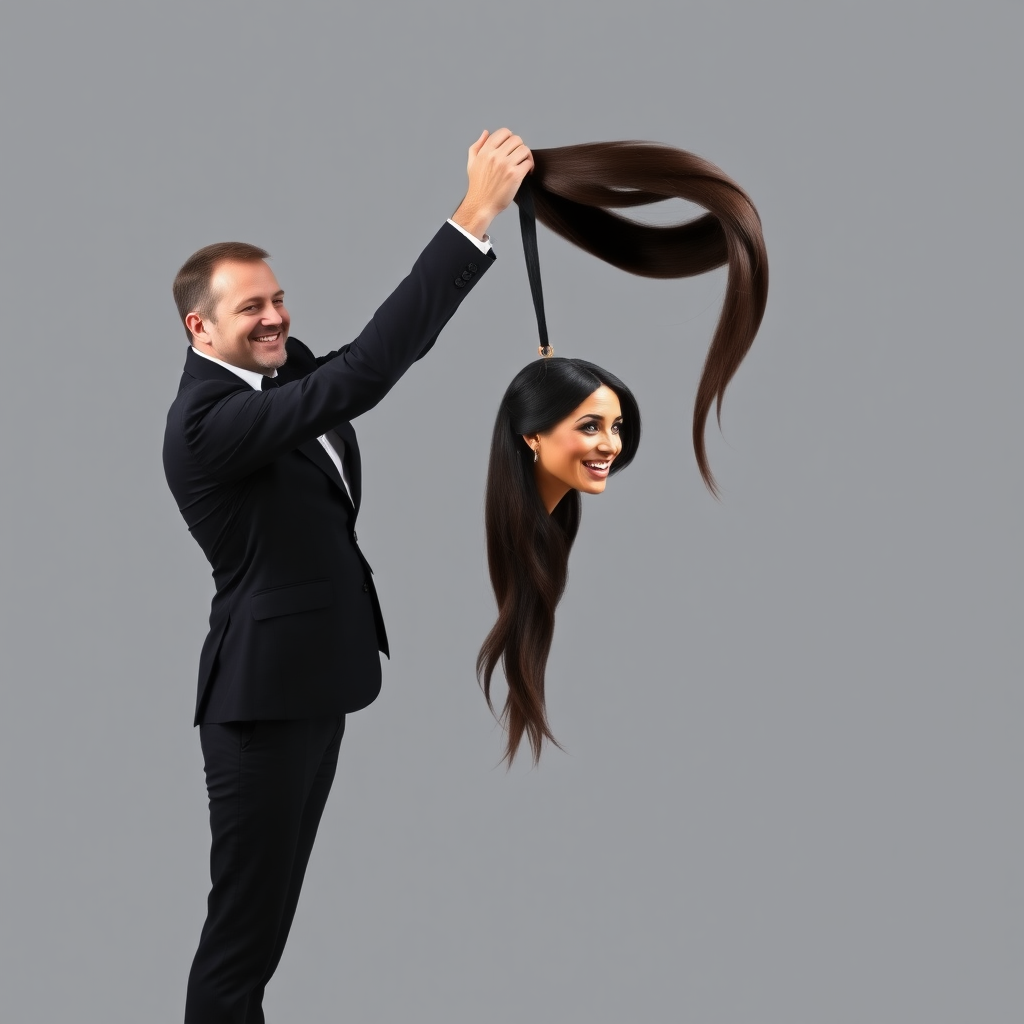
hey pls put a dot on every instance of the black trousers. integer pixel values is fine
(268, 783)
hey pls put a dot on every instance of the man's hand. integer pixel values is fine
(497, 164)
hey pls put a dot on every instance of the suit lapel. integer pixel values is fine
(314, 451)
(353, 465)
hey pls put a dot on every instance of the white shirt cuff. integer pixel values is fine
(483, 246)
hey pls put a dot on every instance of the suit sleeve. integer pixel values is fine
(231, 431)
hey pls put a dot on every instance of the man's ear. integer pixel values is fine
(195, 323)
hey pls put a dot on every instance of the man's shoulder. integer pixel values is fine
(192, 385)
(202, 386)
(300, 359)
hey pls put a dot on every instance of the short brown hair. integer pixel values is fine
(192, 292)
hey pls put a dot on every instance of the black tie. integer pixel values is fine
(269, 383)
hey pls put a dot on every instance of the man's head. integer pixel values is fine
(232, 306)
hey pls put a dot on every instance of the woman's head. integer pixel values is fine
(566, 424)
(573, 412)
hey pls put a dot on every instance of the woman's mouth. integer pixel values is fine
(598, 469)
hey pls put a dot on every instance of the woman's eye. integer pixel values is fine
(616, 427)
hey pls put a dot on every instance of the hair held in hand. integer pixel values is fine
(576, 191)
(576, 188)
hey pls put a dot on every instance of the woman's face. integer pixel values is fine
(577, 453)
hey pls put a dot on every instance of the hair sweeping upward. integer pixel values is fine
(574, 189)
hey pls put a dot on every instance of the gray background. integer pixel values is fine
(790, 791)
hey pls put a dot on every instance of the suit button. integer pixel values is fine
(366, 588)
(467, 276)
(459, 283)
(472, 268)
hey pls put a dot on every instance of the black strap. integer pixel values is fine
(528, 229)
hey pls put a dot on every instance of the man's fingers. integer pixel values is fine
(523, 155)
(498, 162)
(499, 137)
(502, 143)
(510, 145)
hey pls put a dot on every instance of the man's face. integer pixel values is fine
(249, 325)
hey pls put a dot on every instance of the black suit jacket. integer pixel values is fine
(295, 625)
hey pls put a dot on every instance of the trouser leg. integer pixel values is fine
(311, 815)
(268, 782)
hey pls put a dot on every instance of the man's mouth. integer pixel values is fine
(267, 337)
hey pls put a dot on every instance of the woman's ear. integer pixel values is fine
(532, 440)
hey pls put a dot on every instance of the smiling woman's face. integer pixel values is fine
(577, 453)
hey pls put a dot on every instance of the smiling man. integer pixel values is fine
(242, 320)
(261, 457)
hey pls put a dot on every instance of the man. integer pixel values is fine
(262, 460)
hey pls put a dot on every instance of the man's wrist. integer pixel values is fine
(483, 244)
(472, 219)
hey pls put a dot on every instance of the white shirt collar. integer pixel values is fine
(251, 377)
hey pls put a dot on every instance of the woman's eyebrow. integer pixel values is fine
(596, 416)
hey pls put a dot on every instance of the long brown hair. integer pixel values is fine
(575, 188)
(573, 191)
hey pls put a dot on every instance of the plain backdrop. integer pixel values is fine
(790, 790)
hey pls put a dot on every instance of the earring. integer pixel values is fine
(535, 451)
